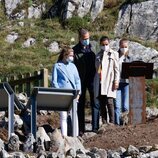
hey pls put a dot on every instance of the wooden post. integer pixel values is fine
(13, 78)
(21, 85)
(44, 77)
(28, 84)
(36, 81)
(137, 95)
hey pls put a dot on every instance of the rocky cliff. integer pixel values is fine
(18, 9)
(139, 20)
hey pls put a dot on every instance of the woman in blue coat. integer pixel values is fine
(65, 75)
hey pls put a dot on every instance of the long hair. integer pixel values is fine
(65, 51)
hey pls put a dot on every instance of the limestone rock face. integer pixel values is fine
(13, 10)
(68, 8)
(10, 5)
(139, 19)
(36, 11)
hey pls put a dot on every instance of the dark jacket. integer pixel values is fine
(85, 62)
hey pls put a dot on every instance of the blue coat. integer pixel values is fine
(65, 76)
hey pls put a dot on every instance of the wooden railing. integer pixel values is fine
(25, 82)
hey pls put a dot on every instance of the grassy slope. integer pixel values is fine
(14, 59)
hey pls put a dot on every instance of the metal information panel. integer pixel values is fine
(8, 101)
(5, 91)
(52, 99)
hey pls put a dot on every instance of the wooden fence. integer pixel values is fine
(25, 82)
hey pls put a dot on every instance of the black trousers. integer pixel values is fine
(81, 104)
(106, 107)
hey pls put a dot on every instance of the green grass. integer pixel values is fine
(152, 93)
(14, 59)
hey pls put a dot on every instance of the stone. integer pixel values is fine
(52, 155)
(102, 153)
(73, 143)
(139, 20)
(121, 150)
(97, 7)
(155, 147)
(88, 135)
(35, 11)
(2, 114)
(153, 154)
(18, 155)
(14, 143)
(4, 154)
(28, 145)
(21, 23)
(29, 42)
(132, 151)
(151, 112)
(19, 16)
(113, 154)
(12, 37)
(42, 137)
(18, 122)
(1, 144)
(66, 9)
(57, 141)
(39, 145)
(54, 47)
(42, 154)
(71, 152)
(10, 5)
(82, 156)
(84, 7)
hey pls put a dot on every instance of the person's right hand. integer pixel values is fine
(77, 97)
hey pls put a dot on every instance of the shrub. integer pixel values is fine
(112, 3)
(76, 23)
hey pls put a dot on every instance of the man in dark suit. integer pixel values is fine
(85, 63)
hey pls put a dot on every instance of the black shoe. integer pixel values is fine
(81, 133)
(95, 130)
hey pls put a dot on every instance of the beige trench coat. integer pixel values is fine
(110, 73)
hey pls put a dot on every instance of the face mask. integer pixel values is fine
(105, 48)
(70, 59)
(123, 50)
(85, 42)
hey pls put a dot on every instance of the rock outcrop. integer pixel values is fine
(17, 9)
(139, 19)
(63, 8)
(68, 8)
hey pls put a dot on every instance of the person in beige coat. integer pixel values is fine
(106, 80)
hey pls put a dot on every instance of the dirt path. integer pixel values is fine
(114, 136)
